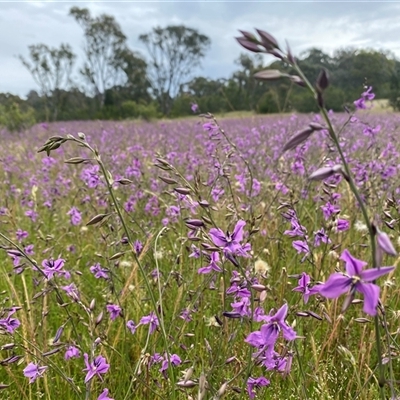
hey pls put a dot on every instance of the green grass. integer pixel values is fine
(334, 358)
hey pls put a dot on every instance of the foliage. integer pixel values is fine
(108, 60)
(174, 52)
(16, 118)
(51, 69)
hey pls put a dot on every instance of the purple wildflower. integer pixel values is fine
(29, 250)
(131, 326)
(55, 267)
(301, 246)
(186, 315)
(98, 271)
(150, 319)
(33, 371)
(72, 291)
(230, 242)
(269, 332)
(342, 225)
(175, 360)
(104, 395)
(97, 367)
(194, 107)
(10, 324)
(213, 266)
(138, 246)
(321, 236)
(365, 96)
(72, 352)
(75, 215)
(255, 383)
(21, 235)
(355, 279)
(114, 310)
(304, 287)
(32, 215)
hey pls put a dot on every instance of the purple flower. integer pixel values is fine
(29, 250)
(255, 383)
(97, 367)
(52, 267)
(194, 107)
(32, 215)
(321, 236)
(213, 266)
(98, 271)
(75, 215)
(138, 246)
(152, 320)
(10, 324)
(186, 315)
(21, 235)
(365, 96)
(131, 326)
(303, 287)
(269, 332)
(329, 209)
(355, 279)
(72, 291)
(385, 244)
(33, 371)
(104, 395)
(175, 360)
(114, 310)
(301, 246)
(230, 242)
(242, 307)
(342, 225)
(72, 352)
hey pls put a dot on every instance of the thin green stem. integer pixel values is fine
(354, 189)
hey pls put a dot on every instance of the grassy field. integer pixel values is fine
(147, 261)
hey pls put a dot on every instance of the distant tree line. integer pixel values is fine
(119, 83)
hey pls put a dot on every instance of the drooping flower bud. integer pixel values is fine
(385, 244)
(298, 138)
(325, 172)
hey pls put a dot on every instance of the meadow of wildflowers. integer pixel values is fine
(202, 259)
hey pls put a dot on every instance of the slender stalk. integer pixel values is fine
(354, 189)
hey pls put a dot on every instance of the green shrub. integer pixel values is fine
(15, 118)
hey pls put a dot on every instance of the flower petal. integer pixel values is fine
(288, 332)
(280, 315)
(218, 237)
(336, 285)
(372, 274)
(371, 296)
(237, 234)
(353, 265)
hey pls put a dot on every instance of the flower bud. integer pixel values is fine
(298, 138)
(385, 244)
(322, 80)
(325, 172)
(248, 45)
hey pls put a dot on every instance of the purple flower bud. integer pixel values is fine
(298, 138)
(269, 75)
(325, 172)
(322, 80)
(249, 35)
(244, 42)
(385, 244)
(182, 190)
(268, 41)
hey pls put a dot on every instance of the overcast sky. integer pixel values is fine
(328, 25)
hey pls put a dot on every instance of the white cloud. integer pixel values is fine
(323, 24)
